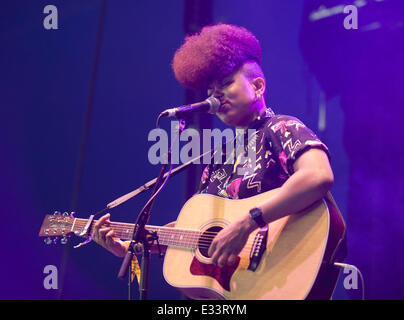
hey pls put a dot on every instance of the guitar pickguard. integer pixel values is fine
(222, 275)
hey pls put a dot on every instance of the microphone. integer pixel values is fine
(210, 105)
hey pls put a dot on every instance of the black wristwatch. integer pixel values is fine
(256, 215)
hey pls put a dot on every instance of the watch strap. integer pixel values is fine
(256, 215)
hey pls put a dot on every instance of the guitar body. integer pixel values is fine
(298, 249)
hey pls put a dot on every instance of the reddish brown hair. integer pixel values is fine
(214, 53)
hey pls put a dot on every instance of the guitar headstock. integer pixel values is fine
(56, 226)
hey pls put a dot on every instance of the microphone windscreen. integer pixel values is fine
(214, 104)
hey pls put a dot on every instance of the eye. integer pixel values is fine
(227, 83)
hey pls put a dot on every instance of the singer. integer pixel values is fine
(225, 60)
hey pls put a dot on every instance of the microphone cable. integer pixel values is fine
(346, 266)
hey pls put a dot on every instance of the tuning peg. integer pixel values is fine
(63, 240)
(56, 213)
(73, 214)
(48, 240)
(65, 214)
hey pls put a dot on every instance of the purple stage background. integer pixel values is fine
(347, 85)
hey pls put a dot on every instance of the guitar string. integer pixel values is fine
(191, 234)
(123, 226)
(195, 234)
(192, 238)
(186, 240)
(185, 233)
(194, 243)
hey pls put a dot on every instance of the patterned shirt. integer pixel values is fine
(278, 141)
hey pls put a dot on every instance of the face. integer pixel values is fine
(237, 96)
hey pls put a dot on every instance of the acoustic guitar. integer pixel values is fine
(291, 258)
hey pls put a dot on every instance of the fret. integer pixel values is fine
(167, 236)
(74, 222)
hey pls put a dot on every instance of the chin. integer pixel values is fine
(234, 118)
(225, 118)
(231, 121)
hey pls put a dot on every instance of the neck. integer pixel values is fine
(259, 110)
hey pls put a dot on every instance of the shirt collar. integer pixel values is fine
(257, 123)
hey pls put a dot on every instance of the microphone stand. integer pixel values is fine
(152, 182)
(141, 235)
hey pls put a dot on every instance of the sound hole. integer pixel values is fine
(206, 239)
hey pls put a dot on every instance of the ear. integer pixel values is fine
(258, 85)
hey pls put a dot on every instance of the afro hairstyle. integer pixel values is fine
(213, 54)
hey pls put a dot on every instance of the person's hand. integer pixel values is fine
(105, 237)
(230, 241)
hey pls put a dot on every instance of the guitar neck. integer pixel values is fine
(166, 236)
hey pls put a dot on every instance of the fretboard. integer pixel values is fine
(166, 236)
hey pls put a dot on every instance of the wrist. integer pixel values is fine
(121, 248)
(256, 217)
(249, 224)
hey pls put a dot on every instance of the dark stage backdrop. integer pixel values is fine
(107, 85)
(46, 80)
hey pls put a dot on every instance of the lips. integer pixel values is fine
(224, 107)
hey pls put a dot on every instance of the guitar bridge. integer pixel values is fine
(258, 248)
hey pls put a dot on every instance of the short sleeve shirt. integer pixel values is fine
(277, 142)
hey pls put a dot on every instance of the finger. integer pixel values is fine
(98, 225)
(103, 231)
(212, 249)
(231, 259)
(217, 254)
(110, 238)
(102, 220)
(110, 233)
(215, 257)
(222, 259)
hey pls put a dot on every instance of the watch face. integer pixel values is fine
(256, 214)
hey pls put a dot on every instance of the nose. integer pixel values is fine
(217, 92)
